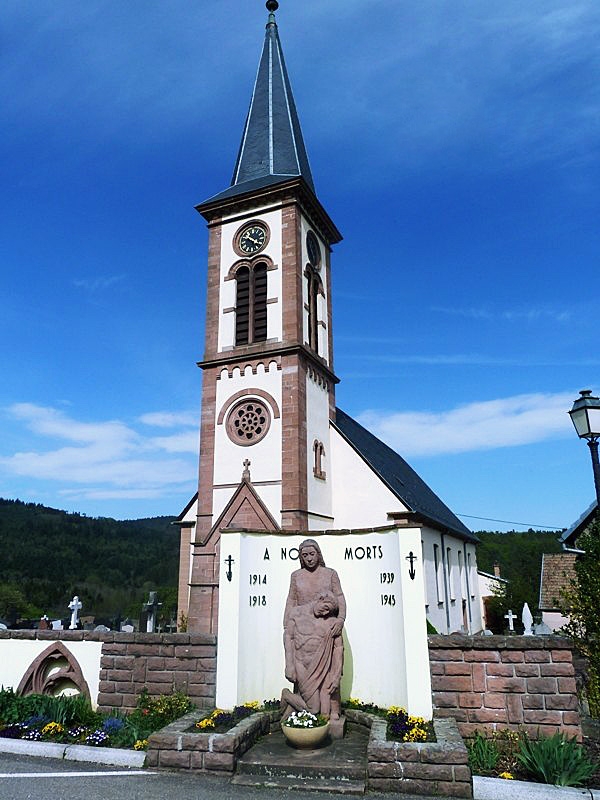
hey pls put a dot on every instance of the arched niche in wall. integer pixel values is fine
(55, 672)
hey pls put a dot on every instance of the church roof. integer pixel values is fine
(272, 149)
(569, 537)
(400, 477)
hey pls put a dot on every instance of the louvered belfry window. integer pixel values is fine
(251, 304)
(314, 287)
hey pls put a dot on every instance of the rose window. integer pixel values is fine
(248, 422)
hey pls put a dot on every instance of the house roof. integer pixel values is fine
(400, 477)
(558, 569)
(577, 528)
(272, 149)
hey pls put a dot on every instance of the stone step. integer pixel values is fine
(340, 765)
(307, 785)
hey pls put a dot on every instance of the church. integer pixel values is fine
(277, 455)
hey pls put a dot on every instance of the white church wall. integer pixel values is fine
(451, 607)
(227, 287)
(265, 455)
(317, 429)
(360, 498)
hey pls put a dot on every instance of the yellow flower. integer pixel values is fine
(208, 722)
(141, 744)
(52, 729)
(507, 776)
(251, 704)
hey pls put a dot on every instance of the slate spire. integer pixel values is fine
(272, 148)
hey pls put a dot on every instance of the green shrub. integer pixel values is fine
(483, 754)
(556, 759)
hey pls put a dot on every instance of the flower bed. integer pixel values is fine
(509, 754)
(71, 720)
(400, 725)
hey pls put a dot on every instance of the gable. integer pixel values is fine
(245, 510)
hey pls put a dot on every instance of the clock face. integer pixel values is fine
(252, 239)
(313, 250)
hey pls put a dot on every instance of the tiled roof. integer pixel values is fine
(400, 477)
(272, 149)
(558, 569)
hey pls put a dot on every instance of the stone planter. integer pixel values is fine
(306, 738)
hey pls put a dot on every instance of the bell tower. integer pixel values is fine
(268, 389)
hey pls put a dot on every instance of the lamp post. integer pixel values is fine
(586, 419)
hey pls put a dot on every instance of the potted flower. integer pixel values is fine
(306, 730)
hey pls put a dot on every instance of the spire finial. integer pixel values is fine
(272, 6)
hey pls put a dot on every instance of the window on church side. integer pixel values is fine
(450, 565)
(439, 577)
(314, 288)
(319, 459)
(251, 304)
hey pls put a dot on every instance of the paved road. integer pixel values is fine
(28, 778)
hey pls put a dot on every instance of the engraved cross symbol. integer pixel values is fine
(229, 561)
(411, 557)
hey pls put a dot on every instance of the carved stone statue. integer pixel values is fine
(313, 620)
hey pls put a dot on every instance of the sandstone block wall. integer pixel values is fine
(437, 768)
(161, 663)
(181, 746)
(495, 682)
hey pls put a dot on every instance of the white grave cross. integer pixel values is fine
(511, 618)
(75, 605)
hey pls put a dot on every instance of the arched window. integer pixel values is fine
(319, 462)
(315, 287)
(251, 304)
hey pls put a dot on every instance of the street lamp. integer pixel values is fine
(586, 419)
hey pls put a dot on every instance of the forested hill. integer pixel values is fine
(49, 555)
(519, 554)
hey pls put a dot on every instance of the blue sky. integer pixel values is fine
(455, 144)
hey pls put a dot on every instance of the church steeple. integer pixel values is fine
(272, 149)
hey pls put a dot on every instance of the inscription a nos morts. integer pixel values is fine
(369, 553)
(358, 553)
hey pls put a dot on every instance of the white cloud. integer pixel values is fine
(185, 442)
(508, 315)
(170, 419)
(506, 422)
(98, 284)
(106, 458)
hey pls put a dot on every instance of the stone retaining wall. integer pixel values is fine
(161, 663)
(117, 666)
(495, 682)
(179, 746)
(437, 768)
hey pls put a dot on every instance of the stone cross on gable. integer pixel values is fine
(151, 607)
(511, 620)
(246, 472)
(75, 605)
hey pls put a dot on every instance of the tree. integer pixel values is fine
(13, 604)
(581, 604)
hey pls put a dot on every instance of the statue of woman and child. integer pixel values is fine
(312, 636)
